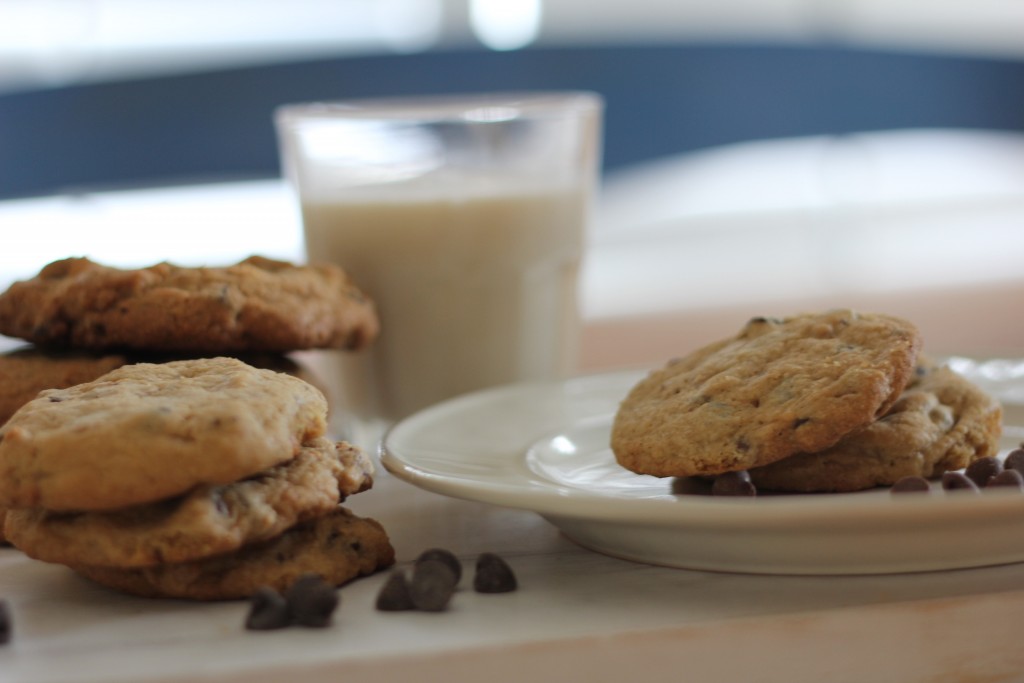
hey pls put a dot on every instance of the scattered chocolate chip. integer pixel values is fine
(955, 481)
(1007, 478)
(1014, 460)
(910, 485)
(267, 610)
(445, 556)
(733, 484)
(983, 469)
(394, 594)
(6, 623)
(493, 575)
(431, 586)
(311, 601)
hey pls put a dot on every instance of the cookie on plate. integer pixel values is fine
(256, 305)
(338, 546)
(208, 520)
(778, 388)
(147, 432)
(941, 422)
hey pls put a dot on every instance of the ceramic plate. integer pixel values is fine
(544, 447)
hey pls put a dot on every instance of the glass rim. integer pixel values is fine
(462, 107)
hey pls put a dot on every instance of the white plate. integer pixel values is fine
(544, 447)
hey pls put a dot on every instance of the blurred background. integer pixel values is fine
(761, 156)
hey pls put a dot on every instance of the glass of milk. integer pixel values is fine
(463, 218)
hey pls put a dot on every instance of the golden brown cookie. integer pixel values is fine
(209, 520)
(339, 547)
(26, 371)
(256, 305)
(940, 423)
(778, 388)
(147, 432)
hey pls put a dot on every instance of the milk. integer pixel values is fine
(471, 292)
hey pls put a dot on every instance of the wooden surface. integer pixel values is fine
(577, 616)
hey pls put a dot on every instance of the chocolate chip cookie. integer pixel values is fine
(209, 520)
(147, 432)
(780, 387)
(941, 422)
(26, 371)
(256, 305)
(339, 547)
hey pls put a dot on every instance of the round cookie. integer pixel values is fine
(339, 547)
(778, 388)
(209, 520)
(26, 371)
(940, 423)
(256, 305)
(147, 432)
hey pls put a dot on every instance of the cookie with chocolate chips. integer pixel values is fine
(338, 547)
(258, 304)
(208, 520)
(146, 432)
(778, 388)
(941, 422)
(26, 371)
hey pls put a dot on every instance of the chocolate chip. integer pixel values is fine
(955, 481)
(394, 594)
(1007, 478)
(6, 623)
(267, 610)
(311, 601)
(910, 485)
(493, 575)
(733, 484)
(431, 586)
(221, 505)
(1015, 460)
(983, 469)
(445, 556)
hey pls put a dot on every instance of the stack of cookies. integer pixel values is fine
(830, 402)
(202, 479)
(191, 474)
(84, 319)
